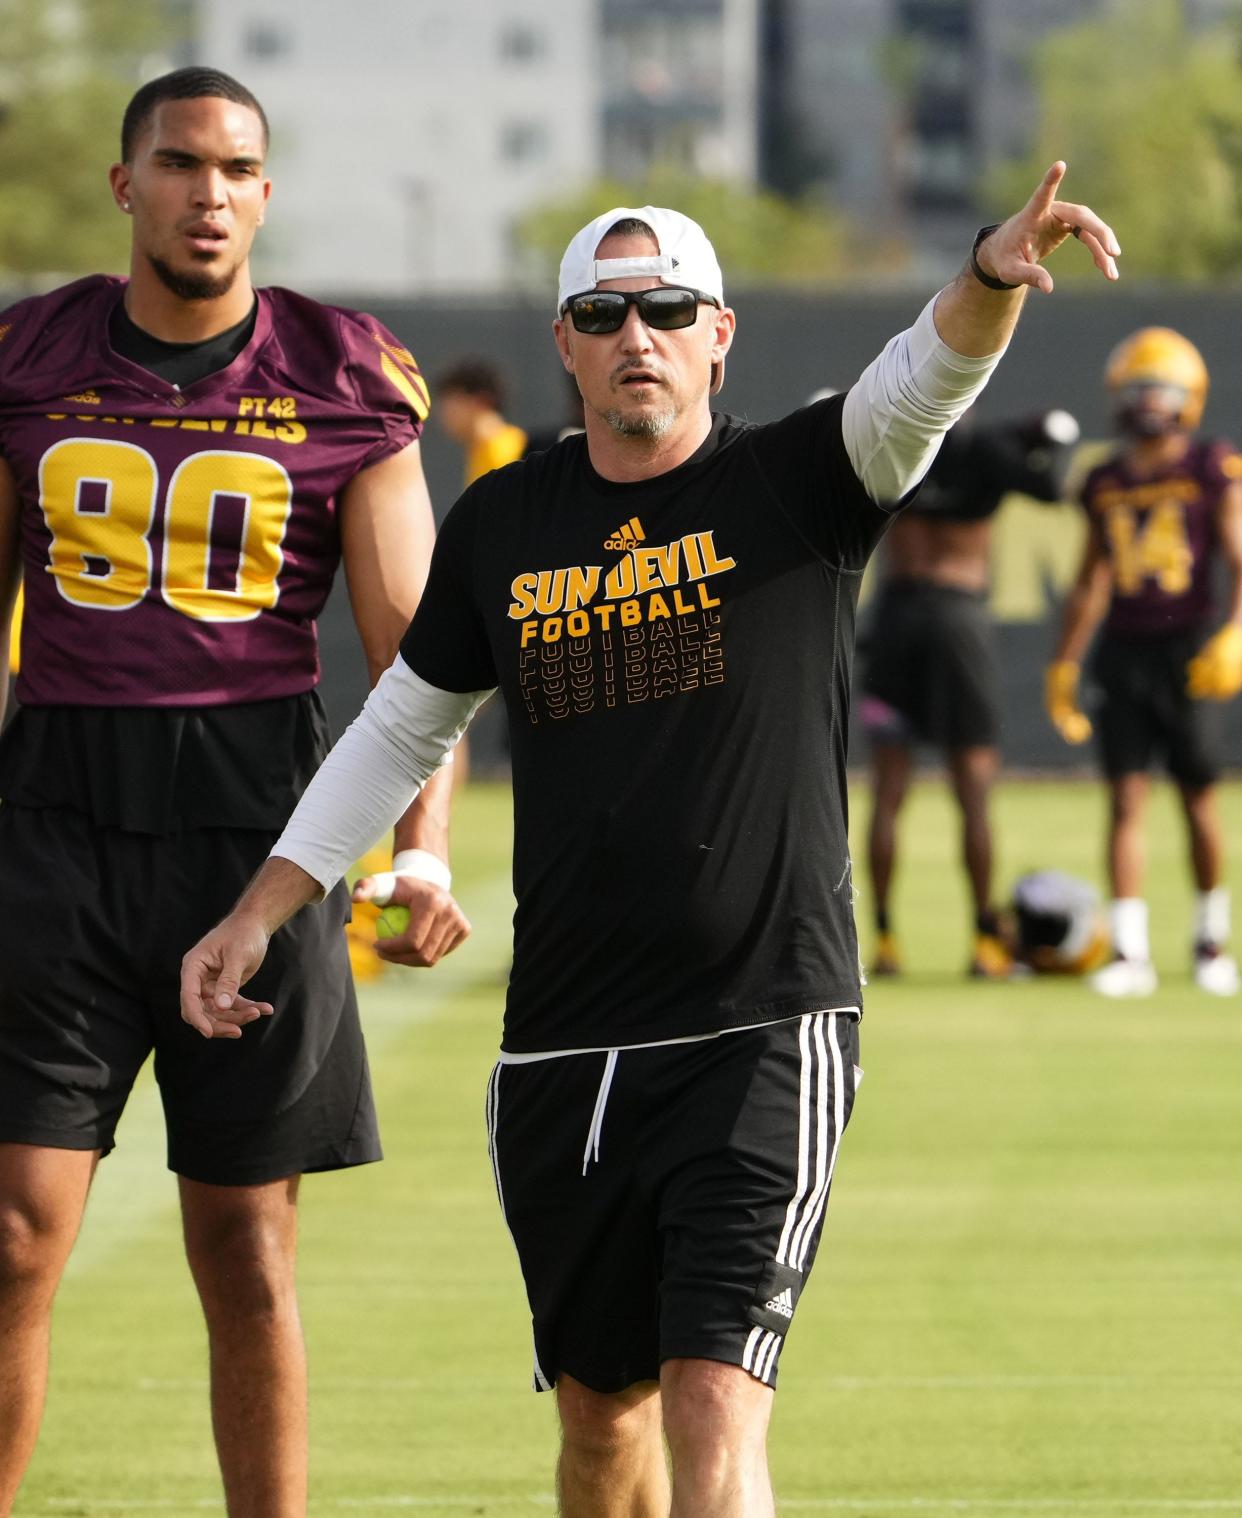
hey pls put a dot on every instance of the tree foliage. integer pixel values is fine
(67, 71)
(759, 237)
(1147, 112)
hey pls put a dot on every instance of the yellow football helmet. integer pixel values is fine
(1160, 356)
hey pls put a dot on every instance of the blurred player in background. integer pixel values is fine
(930, 672)
(183, 463)
(469, 403)
(680, 1047)
(1162, 511)
(469, 398)
(1057, 924)
(540, 438)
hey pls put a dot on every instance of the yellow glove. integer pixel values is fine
(1215, 672)
(1061, 702)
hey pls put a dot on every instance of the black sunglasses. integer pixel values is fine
(664, 308)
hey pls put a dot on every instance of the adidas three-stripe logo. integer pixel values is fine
(782, 1303)
(629, 535)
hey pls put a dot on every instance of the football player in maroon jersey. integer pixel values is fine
(184, 461)
(932, 673)
(1161, 511)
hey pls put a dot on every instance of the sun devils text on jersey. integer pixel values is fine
(177, 545)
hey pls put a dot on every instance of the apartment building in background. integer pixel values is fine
(409, 136)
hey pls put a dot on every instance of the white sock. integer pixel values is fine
(1212, 916)
(1128, 916)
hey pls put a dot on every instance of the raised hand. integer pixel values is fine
(1015, 251)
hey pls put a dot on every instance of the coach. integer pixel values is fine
(668, 605)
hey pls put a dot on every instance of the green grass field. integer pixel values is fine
(1028, 1300)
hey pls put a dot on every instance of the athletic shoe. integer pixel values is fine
(991, 959)
(1125, 977)
(886, 961)
(1215, 972)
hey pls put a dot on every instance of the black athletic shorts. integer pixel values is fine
(667, 1201)
(93, 925)
(929, 668)
(1144, 714)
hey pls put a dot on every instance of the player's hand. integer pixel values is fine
(1061, 702)
(212, 974)
(1016, 250)
(1215, 672)
(437, 923)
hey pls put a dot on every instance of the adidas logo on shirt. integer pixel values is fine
(781, 1303)
(629, 535)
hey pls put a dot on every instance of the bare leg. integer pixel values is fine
(891, 765)
(972, 771)
(1128, 811)
(1207, 844)
(716, 1419)
(241, 1242)
(612, 1456)
(42, 1196)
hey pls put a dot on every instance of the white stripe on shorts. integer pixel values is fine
(804, 1127)
(820, 1199)
(493, 1110)
(813, 1147)
(765, 1364)
(539, 1381)
(818, 1143)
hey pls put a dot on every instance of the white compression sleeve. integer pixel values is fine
(902, 405)
(401, 737)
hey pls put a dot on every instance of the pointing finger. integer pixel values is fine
(1045, 193)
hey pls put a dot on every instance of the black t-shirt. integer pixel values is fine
(180, 364)
(675, 657)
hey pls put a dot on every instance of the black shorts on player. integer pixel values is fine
(1144, 713)
(667, 1201)
(930, 672)
(93, 922)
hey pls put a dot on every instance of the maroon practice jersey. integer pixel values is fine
(1160, 534)
(177, 545)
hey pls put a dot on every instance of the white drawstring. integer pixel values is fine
(591, 1152)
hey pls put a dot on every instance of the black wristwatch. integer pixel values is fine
(990, 280)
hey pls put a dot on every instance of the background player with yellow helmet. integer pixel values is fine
(1162, 510)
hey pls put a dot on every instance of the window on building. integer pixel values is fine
(523, 142)
(940, 171)
(520, 42)
(265, 41)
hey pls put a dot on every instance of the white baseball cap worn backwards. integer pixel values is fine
(685, 258)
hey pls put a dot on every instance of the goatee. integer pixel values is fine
(652, 425)
(193, 285)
